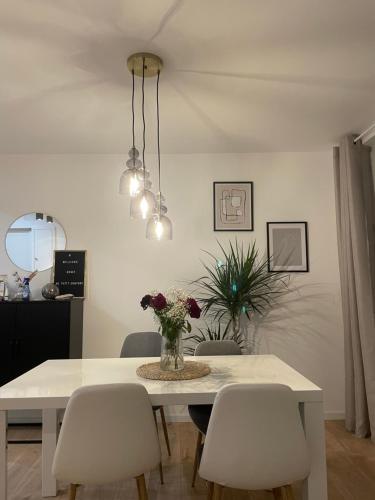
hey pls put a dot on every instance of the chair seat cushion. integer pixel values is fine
(200, 415)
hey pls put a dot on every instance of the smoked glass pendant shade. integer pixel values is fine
(131, 178)
(159, 227)
(142, 205)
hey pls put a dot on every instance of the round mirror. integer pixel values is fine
(31, 240)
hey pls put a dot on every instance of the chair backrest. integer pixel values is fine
(217, 348)
(141, 345)
(255, 439)
(108, 434)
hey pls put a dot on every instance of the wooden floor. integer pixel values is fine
(351, 470)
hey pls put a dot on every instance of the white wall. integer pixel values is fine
(81, 192)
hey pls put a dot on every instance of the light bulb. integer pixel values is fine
(134, 185)
(159, 230)
(144, 207)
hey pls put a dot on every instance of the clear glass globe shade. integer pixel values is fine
(130, 182)
(159, 227)
(143, 205)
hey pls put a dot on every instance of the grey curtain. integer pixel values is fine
(355, 210)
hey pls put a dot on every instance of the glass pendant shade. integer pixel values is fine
(130, 182)
(159, 227)
(142, 205)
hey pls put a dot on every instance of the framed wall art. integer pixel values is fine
(233, 206)
(287, 247)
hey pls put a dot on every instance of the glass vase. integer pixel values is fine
(172, 358)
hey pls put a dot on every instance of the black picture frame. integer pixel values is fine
(251, 206)
(288, 269)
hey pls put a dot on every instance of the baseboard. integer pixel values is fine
(334, 415)
(178, 418)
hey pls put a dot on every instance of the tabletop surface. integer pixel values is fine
(50, 384)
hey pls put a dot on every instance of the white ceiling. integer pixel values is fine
(240, 75)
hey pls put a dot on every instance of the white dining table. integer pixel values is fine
(49, 386)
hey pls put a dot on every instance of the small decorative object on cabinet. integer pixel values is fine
(233, 206)
(23, 286)
(4, 293)
(34, 331)
(170, 311)
(50, 291)
(287, 247)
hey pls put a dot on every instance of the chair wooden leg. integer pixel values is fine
(161, 473)
(160, 465)
(278, 494)
(72, 491)
(156, 421)
(218, 492)
(141, 486)
(197, 458)
(284, 493)
(210, 491)
(289, 494)
(165, 429)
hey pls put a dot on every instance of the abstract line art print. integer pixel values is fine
(233, 206)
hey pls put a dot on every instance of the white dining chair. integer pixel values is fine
(255, 441)
(200, 414)
(108, 434)
(143, 345)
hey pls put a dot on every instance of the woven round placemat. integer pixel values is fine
(191, 370)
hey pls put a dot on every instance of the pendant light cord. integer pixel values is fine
(144, 123)
(133, 118)
(158, 132)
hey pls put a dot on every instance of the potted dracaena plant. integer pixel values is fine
(235, 285)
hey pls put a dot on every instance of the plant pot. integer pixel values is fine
(172, 358)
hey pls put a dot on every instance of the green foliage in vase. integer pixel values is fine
(238, 283)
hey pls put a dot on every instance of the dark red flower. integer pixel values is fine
(194, 309)
(158, 302)
(146, 302)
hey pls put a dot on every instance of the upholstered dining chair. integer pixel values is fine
(200, 414)
(255, 441)
(142, 345)
(107, 434)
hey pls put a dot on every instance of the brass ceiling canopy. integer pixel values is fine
(152, 64)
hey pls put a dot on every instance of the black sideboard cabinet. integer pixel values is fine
(32, 332)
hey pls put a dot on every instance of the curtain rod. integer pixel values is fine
(364, 133)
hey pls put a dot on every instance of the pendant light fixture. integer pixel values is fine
(130, 181)
(143, 204)
(159, 226)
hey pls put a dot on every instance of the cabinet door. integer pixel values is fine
(6, 360)
(7, 337)
(7, 319)
(42, 332)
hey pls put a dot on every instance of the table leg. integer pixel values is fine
(315, 486)
(49, 440)
(3, 454)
